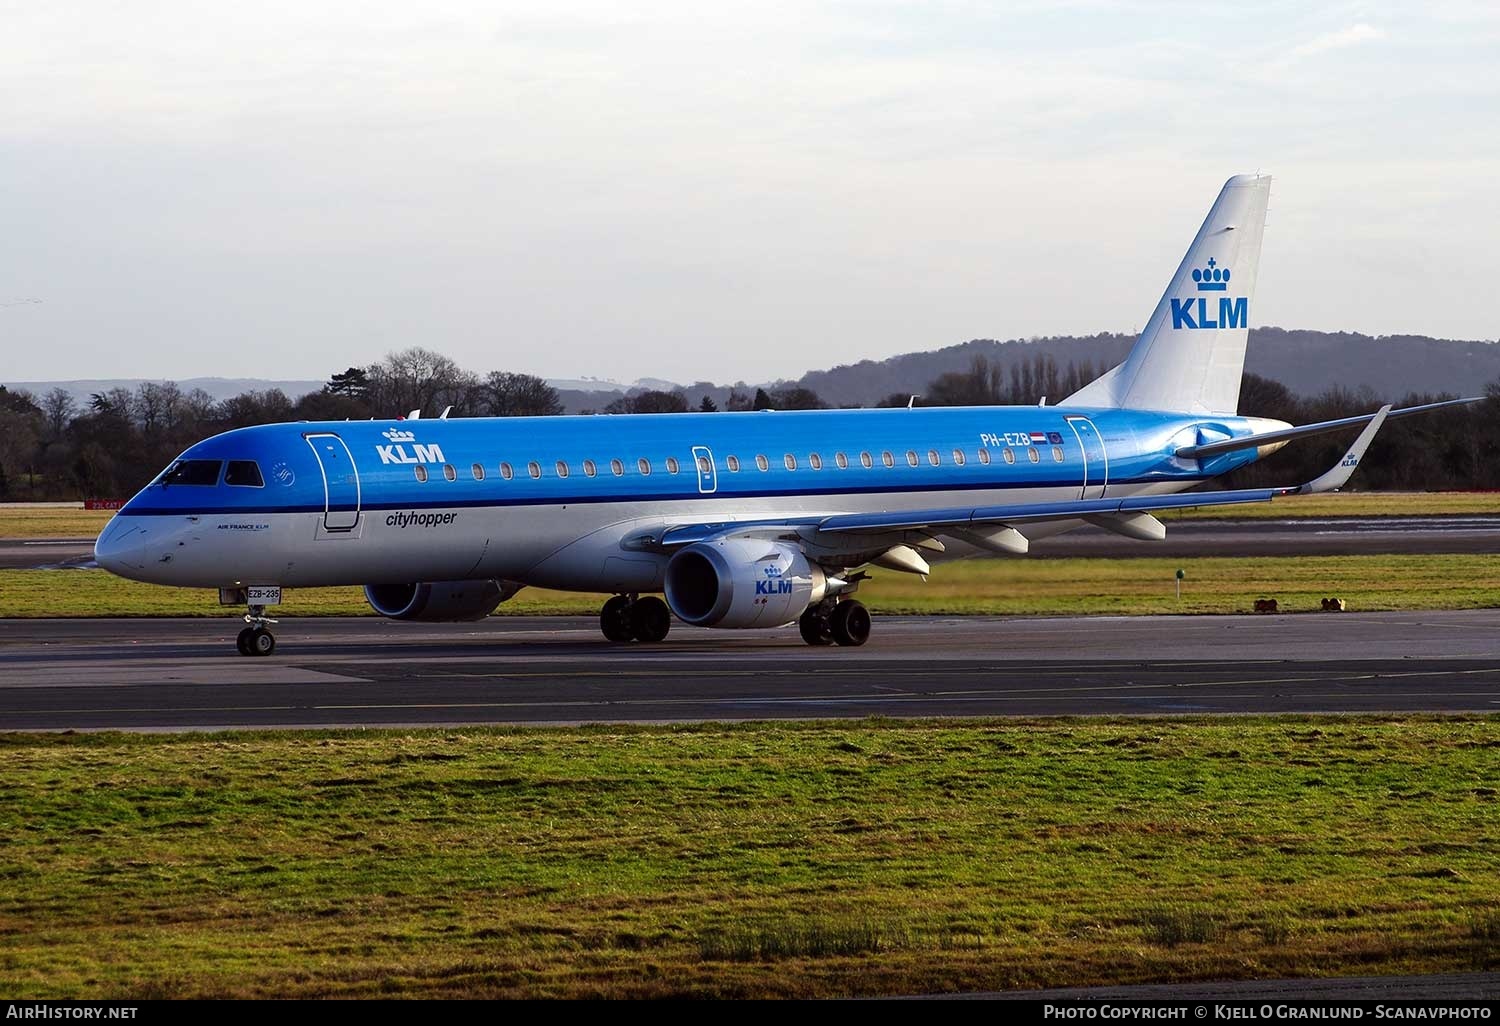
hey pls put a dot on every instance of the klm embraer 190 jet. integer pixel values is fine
(740, 519)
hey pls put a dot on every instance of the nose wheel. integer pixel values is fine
(256, 639)
(627, 618)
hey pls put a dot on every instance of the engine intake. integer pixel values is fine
(742, 582)
(430, 602)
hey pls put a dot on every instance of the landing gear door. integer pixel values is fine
(708, 475)
(341, 492)
(1095, 459)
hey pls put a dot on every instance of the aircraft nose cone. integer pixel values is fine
(121, 547)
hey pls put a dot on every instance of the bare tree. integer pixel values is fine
(649, 401)
(59, 409)
(157, 407)
(419, 379)
(519, 395)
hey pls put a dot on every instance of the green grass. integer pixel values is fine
(1017, 587)
(750, 860)
(51, 522)
(1352, 504)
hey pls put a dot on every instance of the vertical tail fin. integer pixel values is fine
(1192, 353)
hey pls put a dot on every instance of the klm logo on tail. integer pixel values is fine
(1195, 312)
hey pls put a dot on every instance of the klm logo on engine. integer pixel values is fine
(1195, 311)
(396, 453)
(774, 584)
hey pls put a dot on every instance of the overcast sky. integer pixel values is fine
(716, 190)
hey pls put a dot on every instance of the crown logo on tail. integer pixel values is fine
(1212, 278)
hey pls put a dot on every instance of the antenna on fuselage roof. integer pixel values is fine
(444, 415)
(911, 404)
(414, 415)
(1043, 402)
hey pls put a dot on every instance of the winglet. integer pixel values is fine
(1341, 472)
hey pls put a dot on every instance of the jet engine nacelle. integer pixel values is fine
(430, 602)
(742, 582)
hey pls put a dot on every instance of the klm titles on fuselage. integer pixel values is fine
(1195, 312)
(396, 452)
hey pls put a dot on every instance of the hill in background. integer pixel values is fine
(1307, 362)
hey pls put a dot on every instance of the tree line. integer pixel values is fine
(110, 447)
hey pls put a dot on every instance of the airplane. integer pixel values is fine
(737, 520)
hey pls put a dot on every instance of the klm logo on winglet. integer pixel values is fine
(1195, 312)
(397, 453)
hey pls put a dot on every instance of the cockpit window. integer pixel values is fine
(245, 473)
(192, 472)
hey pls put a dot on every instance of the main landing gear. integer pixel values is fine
(256, 639)
(844, 623)
(628, 618)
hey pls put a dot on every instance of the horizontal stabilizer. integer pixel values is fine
(1198, 452)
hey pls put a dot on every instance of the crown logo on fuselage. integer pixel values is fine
(397, 435)
(1212, 278)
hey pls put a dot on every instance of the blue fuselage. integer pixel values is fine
(552, 500)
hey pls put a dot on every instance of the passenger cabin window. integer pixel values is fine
(733, 463)
(507, 471)
(816, 460)
(1057, 454)
(1008, 454)
(672, 465)
(761, 463)
(790, 461)
(705, 467)
(193, 472)
(887, 458)
(449, 472)
(933, 457)
(911, 458)
(534, 469)
(958, 457)
(644, 466)
(865, 460)
(421, 472)
(478, 471)
(984, 457)
(617, 468)
(562, 469)
(1033, 455)
(841, 460)
(244, 474)
(590, 468)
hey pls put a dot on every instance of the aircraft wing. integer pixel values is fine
(1197, 452)
(1335, 477)
(852, 531)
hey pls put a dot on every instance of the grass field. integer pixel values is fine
(51, 522)
(992, 586)
(754, 860)
(55, 522)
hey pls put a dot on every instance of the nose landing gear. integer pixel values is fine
(628, 618)
(256, 639)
